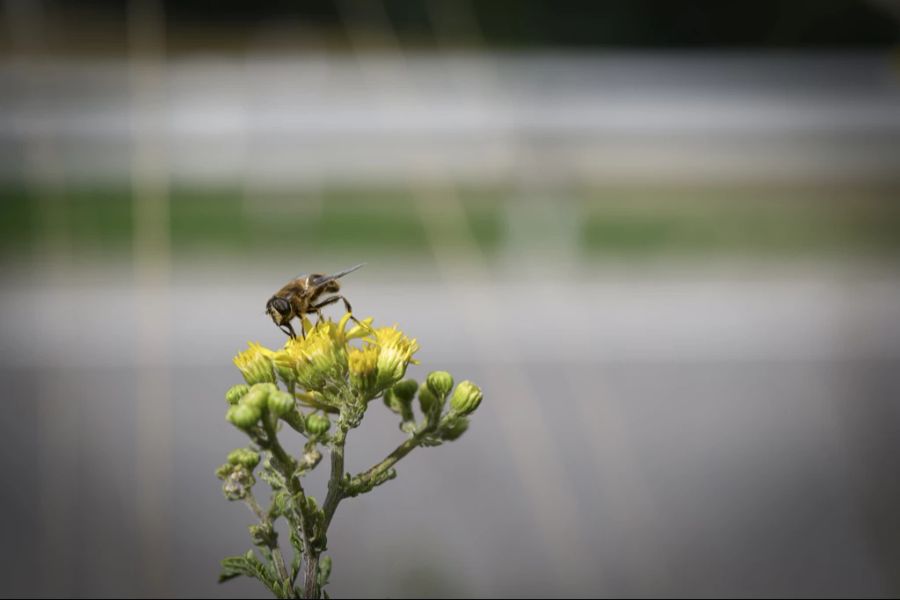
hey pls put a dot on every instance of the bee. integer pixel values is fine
(303, 295)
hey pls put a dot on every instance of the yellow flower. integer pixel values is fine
(320, 357)
(395, 352)
(255, 364)
(362, 363)
(285, 366)
(324, 359)
(359, 330)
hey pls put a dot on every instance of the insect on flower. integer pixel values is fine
(304, 295)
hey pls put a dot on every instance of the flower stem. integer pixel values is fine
(335, 491)
(389, 461)
(312, 576)
(287, 466)
(264, 518)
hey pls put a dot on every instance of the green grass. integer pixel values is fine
(621, 222)
(760, 222)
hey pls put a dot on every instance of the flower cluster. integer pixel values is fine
(321, 385)
(328, 366)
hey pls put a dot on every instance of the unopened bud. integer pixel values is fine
(256, 397)
(440, 383)
(280, 403)
(317, 424)
(454, 428)
(427, 400)
(243, 415)
(236, 393)
(244, 457)
(224, 470)
(405, 390)
(466, 398)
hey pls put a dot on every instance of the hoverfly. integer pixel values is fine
(303, 295)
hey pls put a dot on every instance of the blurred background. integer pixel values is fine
(664, 237)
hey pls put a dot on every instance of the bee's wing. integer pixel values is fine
(320, 279)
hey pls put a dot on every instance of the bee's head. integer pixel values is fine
(279, 309)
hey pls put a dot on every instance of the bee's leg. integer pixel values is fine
(349, 309)
(332, 300)
(288, 329)
(326, 302)
(302, 329)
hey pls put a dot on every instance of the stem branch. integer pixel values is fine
(389, 461)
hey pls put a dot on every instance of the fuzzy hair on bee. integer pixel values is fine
(304, 295)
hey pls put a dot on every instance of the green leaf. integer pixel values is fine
(324, 571)
(249, 565)
(297, 561)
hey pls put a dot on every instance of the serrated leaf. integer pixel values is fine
(249, 565)
(324, 571)
(297, 561)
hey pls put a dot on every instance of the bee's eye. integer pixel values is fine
(281, 305)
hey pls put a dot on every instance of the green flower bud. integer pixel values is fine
(256, 397)
(243, 415)
(405, 390)
(280, 403)
(427, 400)
(466, 398)
(244, 457)
(454, 428)
(390, 401)
(236, 393)
(224, 470)
(317, 424)
(440, 383)
(399, 400)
